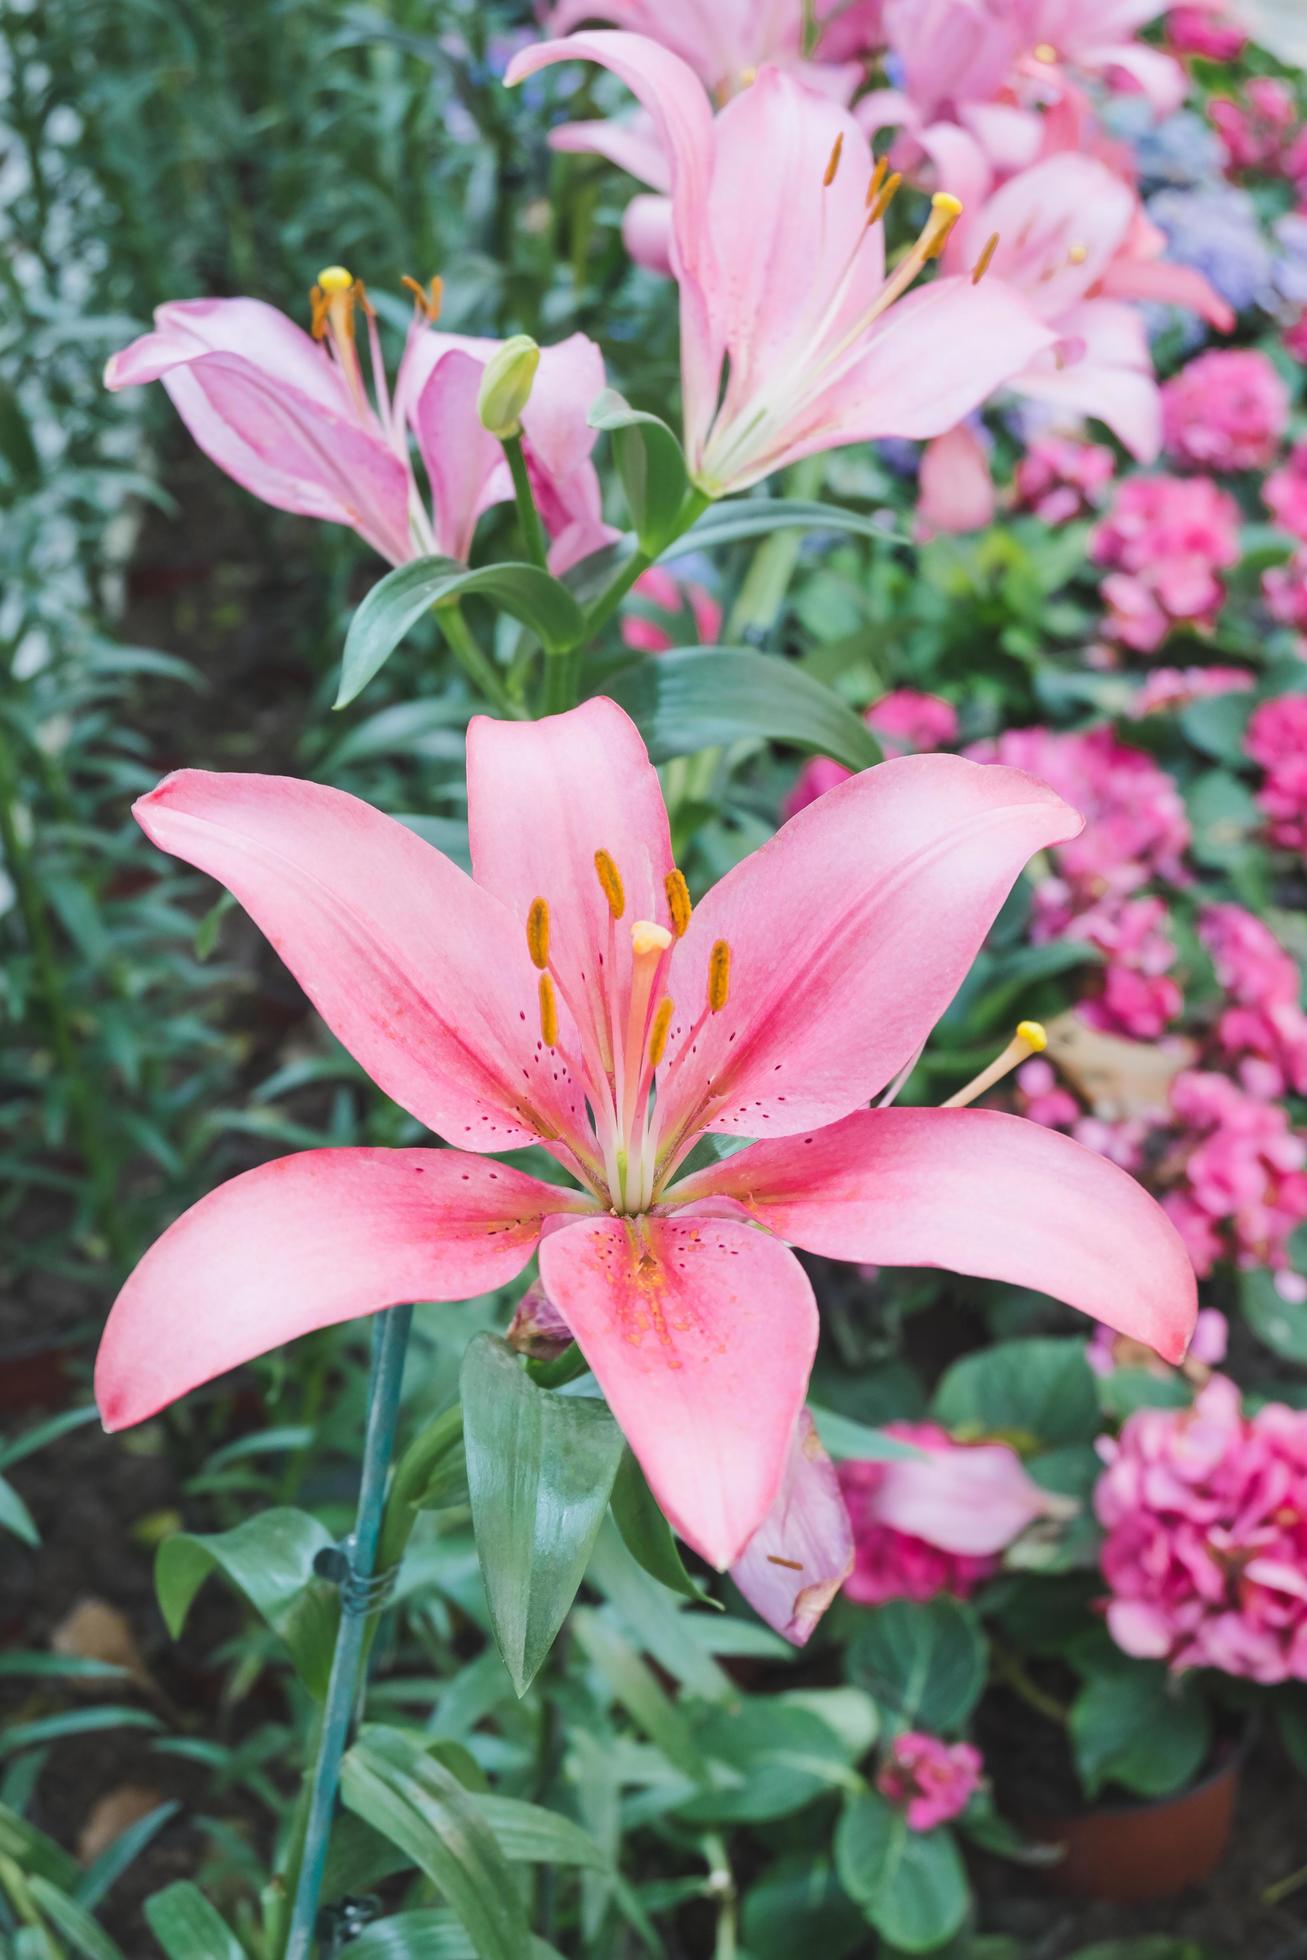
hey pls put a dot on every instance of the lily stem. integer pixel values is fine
(389, 1344)
(479, 668)
(528, 516)
(603, 608)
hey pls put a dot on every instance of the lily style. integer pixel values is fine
(795, 338)
(299, 420)
(568, 995)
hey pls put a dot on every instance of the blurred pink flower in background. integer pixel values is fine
(1263, 1030)
(1285, 492)
(1277, 739)
(1203, 30)
(1240, 1166)
(1205, 1552)
(1175, 687)
(932, 1781)
(672, 596)
(1163, 541)
(1138, 998)
(1295, 336)
(1255, 131)
(1059, 478)
(1226, 410)
(907, 721)
(936, 1523)
(1284, 588)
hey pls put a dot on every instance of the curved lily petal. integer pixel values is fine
(975, 1191)
(1112, 378)
(802, 1553)
(956, 490)
(303, 1243)
(850, 931)
(701, 1334)
(420, 973)
(631, 144)
(543, 797)
(972, 1502)
(1059, 226)
(647, 233)
(256, 332)
(464, 463)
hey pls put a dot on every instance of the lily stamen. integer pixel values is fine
(1029, 1039)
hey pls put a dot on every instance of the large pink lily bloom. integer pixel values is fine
(794, 338)
(566, 995)
(297, 420)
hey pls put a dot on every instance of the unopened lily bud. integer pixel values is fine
(506, 384)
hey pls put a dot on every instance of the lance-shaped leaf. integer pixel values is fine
(269, 1558)
(398, 601)
(738, 518)
(697, 697)
(540, 1467)
(187, 1927)
(651, 464)
(648, 1535)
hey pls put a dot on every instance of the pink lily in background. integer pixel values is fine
(568, 995)
(726, 42)
(295, 419)
(794, 338)
(1098, 38)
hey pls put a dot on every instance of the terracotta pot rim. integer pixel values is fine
(1230, 1756)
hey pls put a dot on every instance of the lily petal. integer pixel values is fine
(464, 463)
(850, 932)
(1112, 378)
(305, 1242)
(974, 1191)
(973, 1502)
(701, 1333)
(802, 1553)
(420, 973)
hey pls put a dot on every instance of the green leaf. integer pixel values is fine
(924, 1662)
(15, 1516)
(1279, 1323)
(1140, 1727)
(101, 1876)
(1040, 1390)
(648, 1536)
(46, 1432)
(843, 1437)
(910, 1884)
(637, 1688)
(430, 1933)
(398, 601)
(651, 465)
(73, 1921)
(783, 1752)
(757, 517)
(269, 1559)
(529, 1834)
(187, 1927)
(32, 1851)
(390, 1780)
(695, 698)
(1218, 724)
(540, 1467)
(798, 1907)
(75, 1721)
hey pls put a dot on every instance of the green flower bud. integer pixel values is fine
(506, 384)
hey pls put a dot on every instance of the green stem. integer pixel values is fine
(480, 670)
(36, 924)
(533, 531)
(389, 1343)
(562, 681)
(603, 608)
(1010, 1669)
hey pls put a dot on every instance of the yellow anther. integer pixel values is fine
(1077, 254)
(1029, 1039)
(834, 164)
(719, 976)
(748, 76)
(678, 901)
(981, 267)
(662, 1021)
(318, 302)
(610, 878)
(648, 937)
(548, 1012)
(1034, 1034)
(537, 933)
(886, 198)
(425, 298)
(945, 210)
(877, 179)
(335, 279)
(1044, 51)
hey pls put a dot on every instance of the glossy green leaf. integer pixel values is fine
(651, 464)
(15, 1516)
(1279, 1323)
(647, 1534)
(699, 697)
(72, 1921)
(187, 1927)
(757, 517)
(843, 1437)
(922, 1662)
(911, 1884)
(1139, 1727)
(540, 1467)
(783, 1754)
(390, 1780)
(430, 1933)
(399, 600)
(269, 1559)
(530, 1834)
(1034, 1391)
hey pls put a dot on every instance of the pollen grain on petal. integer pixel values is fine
(610, 879)
(719, 975)
(537, 933)
(548, 1012)
(678, 901)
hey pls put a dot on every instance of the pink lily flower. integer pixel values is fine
(794, 339)
(566, 995)
(726, 42)
(802, 1552)
(1099, 39)
(292, 418)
